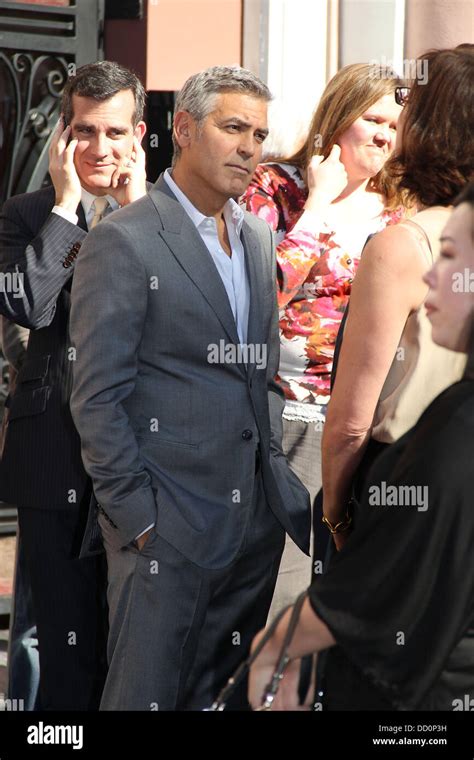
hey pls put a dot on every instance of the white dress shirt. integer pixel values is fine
(87, 200)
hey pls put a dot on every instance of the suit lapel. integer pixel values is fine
(254, 265)
(186, 245)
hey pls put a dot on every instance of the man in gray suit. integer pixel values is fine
(175, 325)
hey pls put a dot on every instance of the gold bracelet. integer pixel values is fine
(339, 527)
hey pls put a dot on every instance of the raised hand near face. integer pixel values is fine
(62, 170)
(128, 182)
(326, 178)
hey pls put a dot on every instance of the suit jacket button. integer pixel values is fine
(247, 435)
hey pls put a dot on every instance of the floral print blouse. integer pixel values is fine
(315, 273)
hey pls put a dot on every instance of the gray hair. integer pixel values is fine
(199, 92)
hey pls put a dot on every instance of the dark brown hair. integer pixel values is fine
(101, 81)
(467, 196)
(436, 157)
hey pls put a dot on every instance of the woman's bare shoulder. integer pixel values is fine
(398, 246)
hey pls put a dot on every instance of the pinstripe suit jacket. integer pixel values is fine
(41, 461)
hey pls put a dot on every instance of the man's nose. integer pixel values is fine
(99, 145)
(247, 145)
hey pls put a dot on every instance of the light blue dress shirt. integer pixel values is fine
(231, 269)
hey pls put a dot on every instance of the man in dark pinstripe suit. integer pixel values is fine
(95, 155)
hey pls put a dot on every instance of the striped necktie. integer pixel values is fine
(100, 206)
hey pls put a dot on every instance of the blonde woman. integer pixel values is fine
(323, 202)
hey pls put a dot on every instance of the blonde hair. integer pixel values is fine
(346, 97)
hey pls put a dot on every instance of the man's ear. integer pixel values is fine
(139, 131)
(184, 128)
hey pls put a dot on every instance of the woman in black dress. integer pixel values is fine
(395, 609)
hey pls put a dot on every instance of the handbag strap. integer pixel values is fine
(271, 689)
(273, 685)
(340, 333)
(337, 347)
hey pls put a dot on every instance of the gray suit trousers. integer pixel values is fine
(177, 630)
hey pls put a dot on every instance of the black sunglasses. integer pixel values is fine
(401, 95)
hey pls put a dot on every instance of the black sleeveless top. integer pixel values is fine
(399, 597)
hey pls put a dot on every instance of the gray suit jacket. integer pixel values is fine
(167, 436)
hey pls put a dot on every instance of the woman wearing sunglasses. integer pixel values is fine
(389, 369)
(323, 202)
(395, 607)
